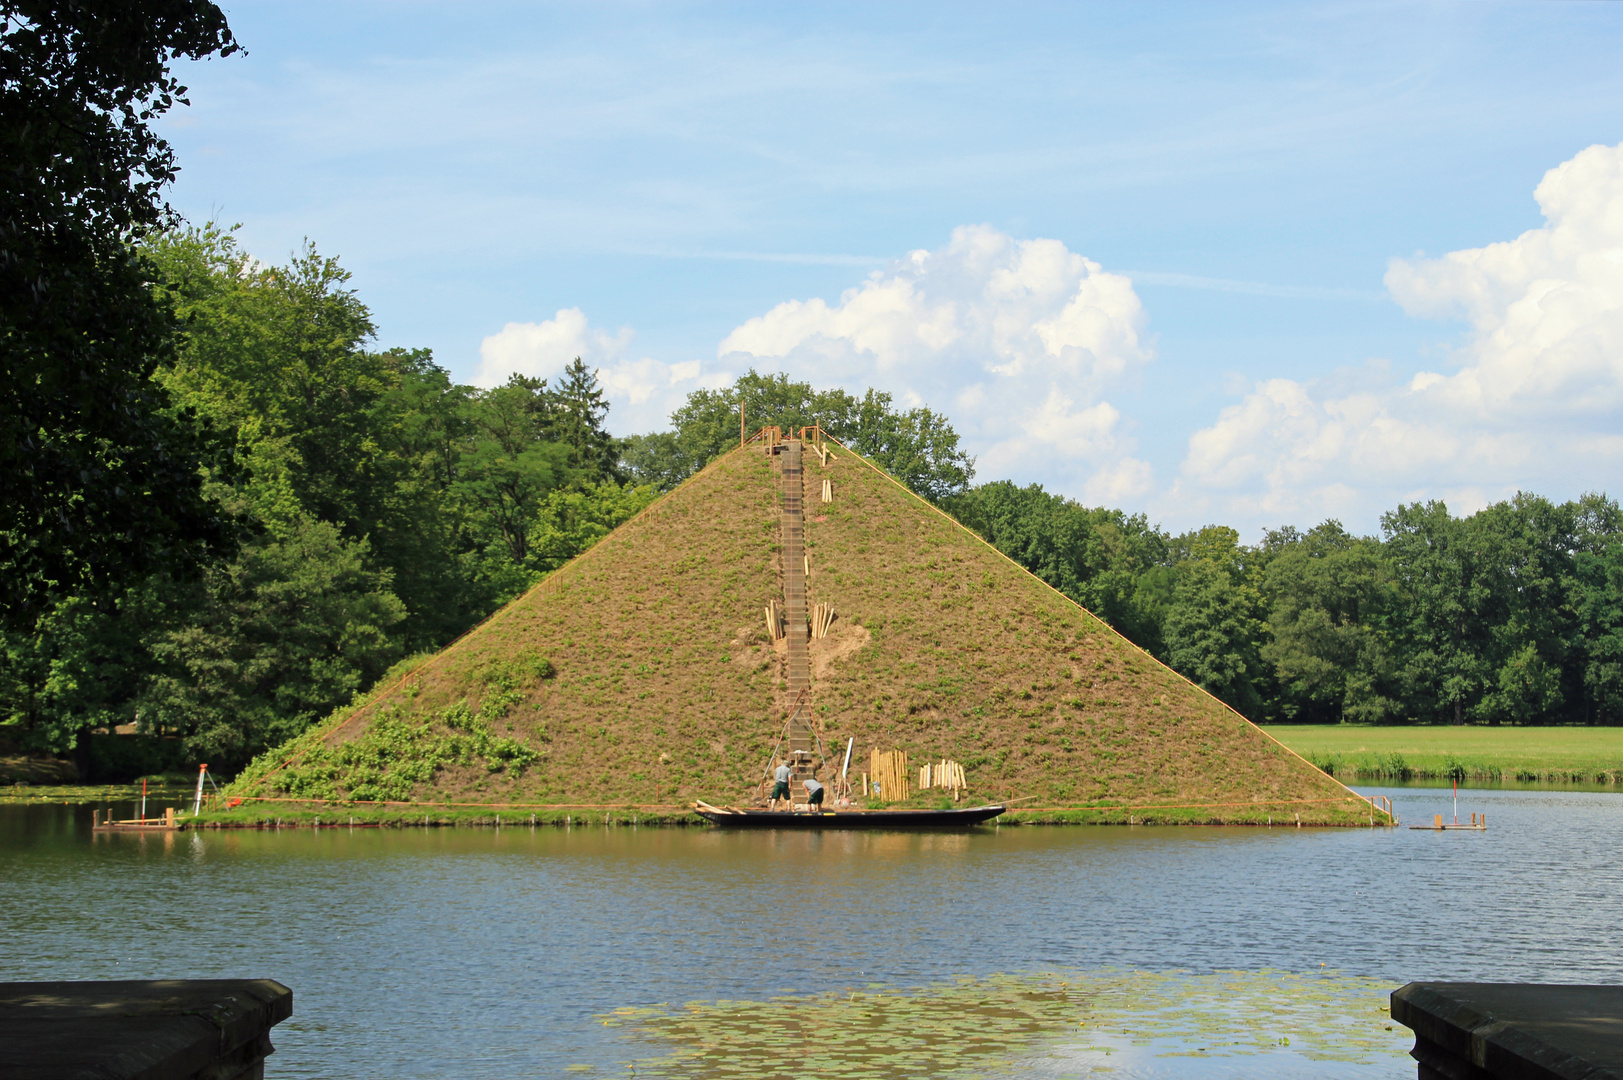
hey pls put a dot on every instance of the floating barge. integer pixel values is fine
(732, 817)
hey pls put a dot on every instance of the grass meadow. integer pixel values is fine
(1526, 754)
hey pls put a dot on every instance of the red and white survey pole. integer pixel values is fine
(197, 804)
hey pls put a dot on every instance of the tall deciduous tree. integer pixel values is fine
(1327, 596)
(285, 634)
(99, 479)
(1439, 594)
(1214, 630)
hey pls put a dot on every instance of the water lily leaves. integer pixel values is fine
(1000, 1025)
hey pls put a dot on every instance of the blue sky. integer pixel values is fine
(1154, 243)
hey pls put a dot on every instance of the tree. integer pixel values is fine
(577, 412)
(78, 668)
(1327, 594)
(371, 441)
(1214, 633)
(1437, 594)
(707, 424)
(1524, 549)
(99, 479)
(509, 464)
(918, 447)
(655, 459)
(1598, 595)
(291, 630)
(570, 520)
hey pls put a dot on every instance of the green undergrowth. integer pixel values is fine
(398, 752)
(1396, 766)
(1001, 1025)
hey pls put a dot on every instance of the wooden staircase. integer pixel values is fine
(792, 548)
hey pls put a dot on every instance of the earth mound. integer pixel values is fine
(643, 673)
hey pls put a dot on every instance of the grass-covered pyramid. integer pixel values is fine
(642, 674)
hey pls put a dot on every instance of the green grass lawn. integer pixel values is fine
(1562, 754)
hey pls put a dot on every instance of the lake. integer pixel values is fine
(1013, 952)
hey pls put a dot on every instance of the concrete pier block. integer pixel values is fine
(174, 1029)
(1513, 1031)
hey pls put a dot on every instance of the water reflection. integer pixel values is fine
(428, 952)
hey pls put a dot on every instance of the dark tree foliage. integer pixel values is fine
(99, 476)
(288, 631)
(577, 410)
(1214, 634)
(1328, 595)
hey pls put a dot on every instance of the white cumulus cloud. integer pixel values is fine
(1017, 341)
(1533, 397)
(641, 391)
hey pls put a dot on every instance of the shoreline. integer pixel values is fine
(1345, 813)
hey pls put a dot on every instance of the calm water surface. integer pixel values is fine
(471, 953)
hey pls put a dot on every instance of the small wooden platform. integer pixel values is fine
(1439, 825)
(167, 823)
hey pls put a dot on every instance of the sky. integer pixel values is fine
(1249, 264)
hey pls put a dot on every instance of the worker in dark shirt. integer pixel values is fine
(814, 792)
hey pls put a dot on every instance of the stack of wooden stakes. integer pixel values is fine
(890, 774)
(943, 774)
(774, 621)
(822, 617)
(828, 490)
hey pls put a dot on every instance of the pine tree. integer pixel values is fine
(577, 420)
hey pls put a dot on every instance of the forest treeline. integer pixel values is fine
(379, 510)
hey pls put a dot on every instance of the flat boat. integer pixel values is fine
(732, 817)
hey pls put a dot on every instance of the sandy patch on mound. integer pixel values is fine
(843, 640)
